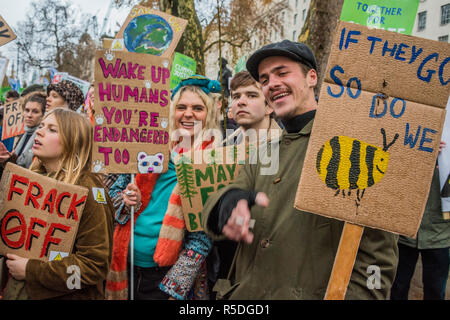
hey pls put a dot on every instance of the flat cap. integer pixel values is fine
(297, 51)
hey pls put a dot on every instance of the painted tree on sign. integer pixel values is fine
(185, 177)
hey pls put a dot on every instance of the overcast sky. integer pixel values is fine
(14, 11)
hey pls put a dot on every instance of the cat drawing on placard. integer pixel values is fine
(149, 163)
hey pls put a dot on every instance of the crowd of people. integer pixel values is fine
(254, 243)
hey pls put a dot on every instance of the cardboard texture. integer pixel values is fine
(13, 124)
(6, 33)
(401, 66)
(203, 173)
(38, 215)
(373, 149)
(150, 31)
(132, 98)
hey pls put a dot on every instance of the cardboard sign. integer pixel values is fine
(150, 31)
(38, 215)
(203, 173)
(391, 15)
(444, 164)
(132, 98)
(13, 124)
(6, 33)
(182, 67)
(377, 129)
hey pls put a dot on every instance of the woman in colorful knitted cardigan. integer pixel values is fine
(169, 261)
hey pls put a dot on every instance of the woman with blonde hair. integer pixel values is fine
(169, 261)
(62, 149)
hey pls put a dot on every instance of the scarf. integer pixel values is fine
(27, 132)
(117, 279)
(169, 242)
(173, 226)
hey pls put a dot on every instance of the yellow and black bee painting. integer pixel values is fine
(345, 163)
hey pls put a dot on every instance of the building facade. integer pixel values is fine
(433, 20)
(289, 23)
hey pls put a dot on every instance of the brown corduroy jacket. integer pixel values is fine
(91, 254)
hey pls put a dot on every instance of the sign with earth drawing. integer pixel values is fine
(150, 31)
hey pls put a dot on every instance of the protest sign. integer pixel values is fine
(131, 108)
(444, 166)
(201, 174)
(240, 65)
(39, 215)
(13, 124)
(83, 85)
(377, 129)
(182, 67)
(59, 76)
(150, 31)
(391, 15)
(6, 33)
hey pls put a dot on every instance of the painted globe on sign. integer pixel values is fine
(149, 34)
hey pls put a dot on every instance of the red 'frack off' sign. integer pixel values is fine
(39, 216)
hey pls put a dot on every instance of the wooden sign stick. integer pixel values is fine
(132, 249)
(344, 262)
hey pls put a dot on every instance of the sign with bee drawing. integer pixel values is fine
(377, 129)
(131, 113)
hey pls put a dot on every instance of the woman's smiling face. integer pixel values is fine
(190, 110)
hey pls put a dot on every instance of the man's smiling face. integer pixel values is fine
(286, 88)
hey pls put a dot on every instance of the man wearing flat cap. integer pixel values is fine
(289, 254)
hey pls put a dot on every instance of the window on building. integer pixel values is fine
(304, 14)
(294, 36)
(295, 18)
(422, 20)
(296, 3)
(443, 38)
(445, 14)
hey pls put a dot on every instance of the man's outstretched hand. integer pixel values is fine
(237, 226)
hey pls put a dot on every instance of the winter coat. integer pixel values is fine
(292, 253)
(91, 253)
(434, 231)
